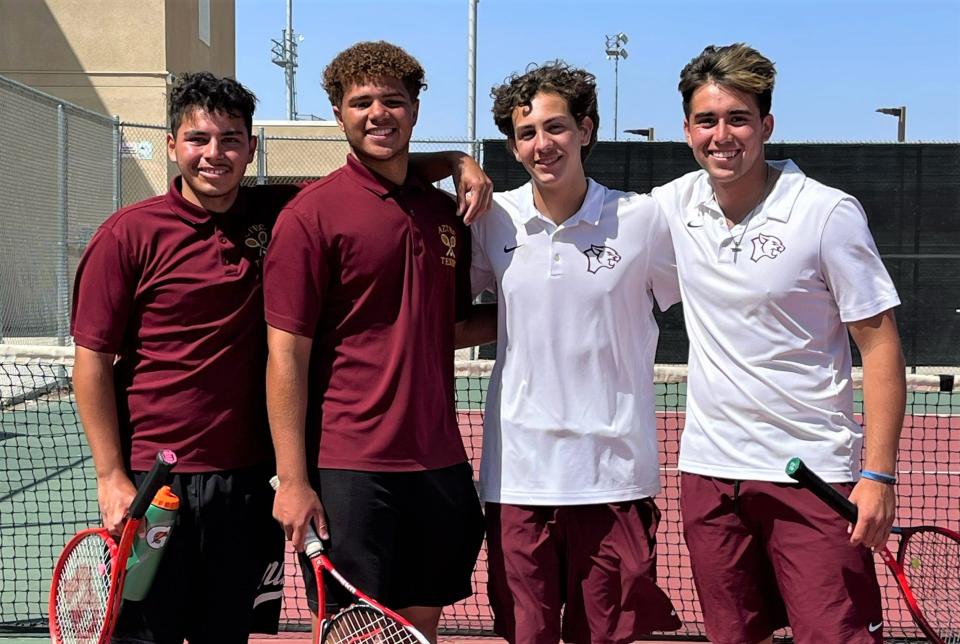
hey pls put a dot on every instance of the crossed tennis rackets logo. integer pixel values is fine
(448, 235)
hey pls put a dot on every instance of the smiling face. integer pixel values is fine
(212, 152)
(547, 141)
(377, 119)
(726, 133)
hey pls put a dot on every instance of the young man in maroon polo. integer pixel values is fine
(367, 275)
(170, 352)
(172, 287)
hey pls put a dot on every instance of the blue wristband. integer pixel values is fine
(879, 477)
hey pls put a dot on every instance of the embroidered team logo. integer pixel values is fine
(449, 238)
(257, 238)
(601, 257)
(766, 246)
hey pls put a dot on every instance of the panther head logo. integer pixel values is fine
(766, 246)
(601, 257)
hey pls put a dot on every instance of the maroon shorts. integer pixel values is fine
(767, 554)
(595, 565)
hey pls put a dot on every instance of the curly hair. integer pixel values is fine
(737, 66)
(577, 87)
(371, 61)
(210, 93)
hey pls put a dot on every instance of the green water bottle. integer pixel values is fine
(149, 544)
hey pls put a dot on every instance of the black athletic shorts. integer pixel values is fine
(221, 576)
(404, 538)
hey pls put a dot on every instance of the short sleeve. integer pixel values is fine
(663, 262)
(464, 298)
(851, 264)
(295, 274)
(482, 277)
(103, 293)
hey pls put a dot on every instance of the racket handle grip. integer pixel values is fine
(799, 472)
(157, 476)
(312, 545)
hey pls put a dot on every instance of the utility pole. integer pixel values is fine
(285, 55)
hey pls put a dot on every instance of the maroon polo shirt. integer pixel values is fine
(175, 292)
(376, 274)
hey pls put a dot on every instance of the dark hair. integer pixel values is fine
(738, 66)
(371, 61)
(577, 87)
(203, 90)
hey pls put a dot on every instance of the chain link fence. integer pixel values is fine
(59, 176)
(65, 169)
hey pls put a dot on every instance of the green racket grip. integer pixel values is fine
(799, 472)
(166, 459)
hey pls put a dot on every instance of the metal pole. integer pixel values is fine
(616, 87)
(902, 125)
(291, 109)
(472, 76)
(117, 161)
(261, 157)
(63, 284)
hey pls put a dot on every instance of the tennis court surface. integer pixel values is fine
(47, 490)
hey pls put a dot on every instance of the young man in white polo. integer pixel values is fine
(775, 269)
(569, 465)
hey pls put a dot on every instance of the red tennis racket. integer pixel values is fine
(88, 579)
(366, 621)
(927, 565)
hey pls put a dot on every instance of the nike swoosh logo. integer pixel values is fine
(690, 224)
(511, 248)
(873, 628)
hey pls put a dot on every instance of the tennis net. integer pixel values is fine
(47, 489)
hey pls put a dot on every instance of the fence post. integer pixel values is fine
(117, 164)
(261, 157)
(63, 283)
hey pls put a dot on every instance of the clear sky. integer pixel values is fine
(837, 61)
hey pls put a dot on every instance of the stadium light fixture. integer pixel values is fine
(901, 114)
(615, 50)
(644, 131)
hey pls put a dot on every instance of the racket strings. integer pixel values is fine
(363, 625)
(83, 590)
(931, 564)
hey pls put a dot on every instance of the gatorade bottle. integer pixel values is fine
(148, 547)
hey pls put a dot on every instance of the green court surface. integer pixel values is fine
(47, 493)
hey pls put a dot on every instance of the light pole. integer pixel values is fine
(615, 50)
(645, 131)
(901, 114)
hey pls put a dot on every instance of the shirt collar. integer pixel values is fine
(378, 185)
(194, 214)
(590, 210)
(777, 206)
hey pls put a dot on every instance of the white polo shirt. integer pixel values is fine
(570, 413)
(769, 351)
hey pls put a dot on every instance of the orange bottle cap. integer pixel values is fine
(166, 499)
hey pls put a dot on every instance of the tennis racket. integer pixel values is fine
(927, 565)
(366, 621)
(87, 582)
